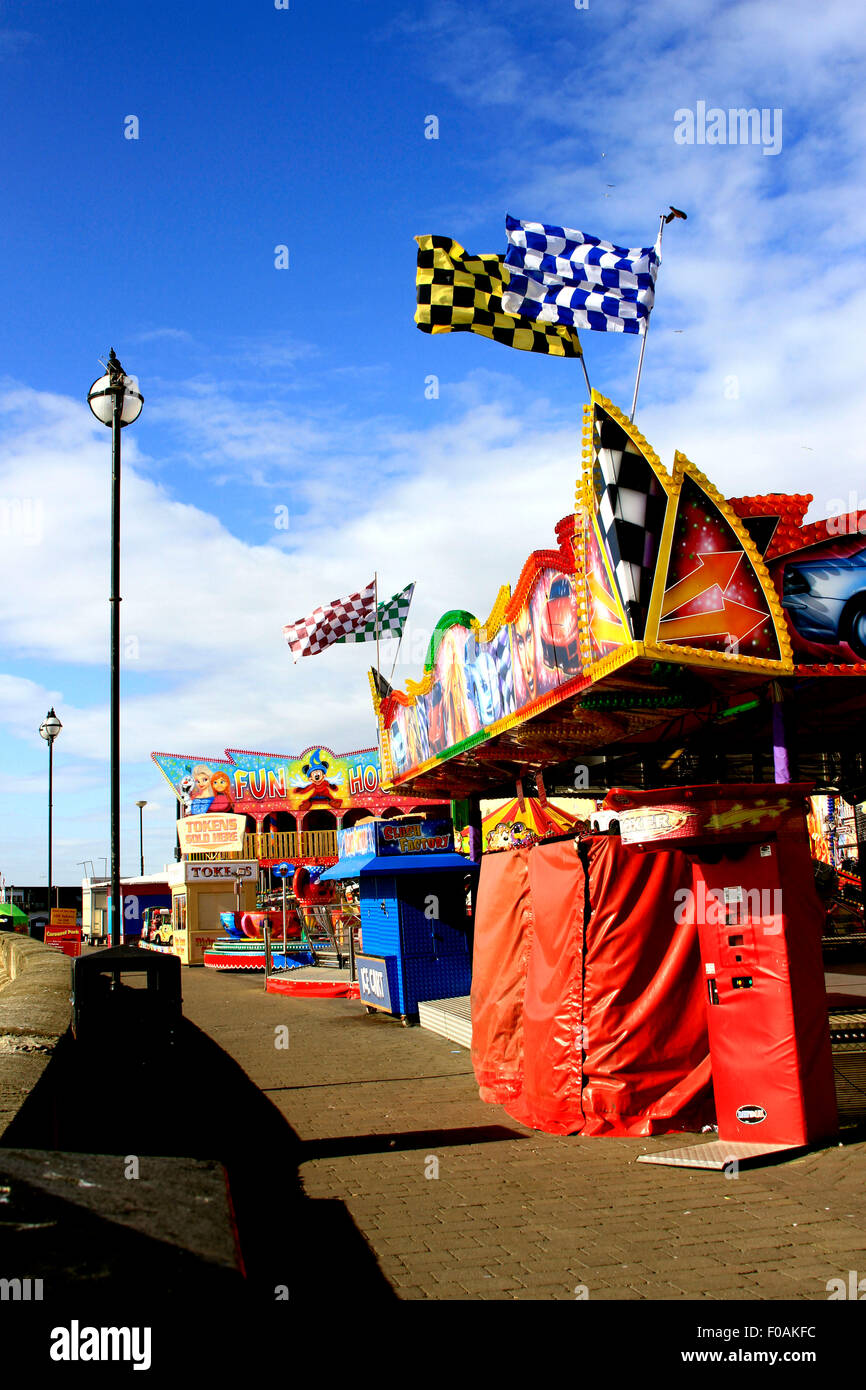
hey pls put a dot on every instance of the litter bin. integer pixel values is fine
(127, 999)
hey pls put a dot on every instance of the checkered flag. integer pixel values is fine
(561, 276)
(331, 623)
(391, 617)
(630, 502)
(457, 292)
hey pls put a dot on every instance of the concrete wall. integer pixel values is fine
(35, 985)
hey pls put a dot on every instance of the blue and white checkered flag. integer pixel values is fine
(562, 276)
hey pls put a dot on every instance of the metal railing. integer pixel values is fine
(332, 936)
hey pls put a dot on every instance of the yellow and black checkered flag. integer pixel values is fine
(462, 293)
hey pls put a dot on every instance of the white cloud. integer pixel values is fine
(760, 387)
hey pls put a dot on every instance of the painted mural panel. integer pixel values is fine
(823, 593)
(478, 682)
(713, 600)
(256, 783)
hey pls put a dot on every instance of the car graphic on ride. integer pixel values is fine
(826, 600)
(559, 628)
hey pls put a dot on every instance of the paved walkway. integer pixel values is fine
(379, 1110)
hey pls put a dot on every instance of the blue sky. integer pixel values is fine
(304, 388)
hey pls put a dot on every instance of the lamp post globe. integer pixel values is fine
(50, 727)
(115, 401)
(102, 393)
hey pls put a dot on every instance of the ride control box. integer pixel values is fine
(759, 923)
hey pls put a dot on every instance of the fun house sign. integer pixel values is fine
(256, 784)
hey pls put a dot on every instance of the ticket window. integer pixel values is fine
(178, 914)
(210, 905)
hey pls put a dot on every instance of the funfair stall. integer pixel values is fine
(415, 904)
(672, 637)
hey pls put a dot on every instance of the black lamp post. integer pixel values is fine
(49, 729)
(141, 805)
(115, 401)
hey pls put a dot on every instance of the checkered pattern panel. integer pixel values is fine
(458, 292)
(330, 623)
(564, 277)
(631, 503)
(391, 616)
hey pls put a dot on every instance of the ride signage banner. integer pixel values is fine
(392, 838)
(424, 837)
(63, 916)
(64, 938)
(201, 833)
(263, 785)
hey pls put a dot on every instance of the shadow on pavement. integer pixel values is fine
(346, 1145)
(198, 1104)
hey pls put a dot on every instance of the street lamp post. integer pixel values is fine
(141, 805)
(49, 729)
(115, 401)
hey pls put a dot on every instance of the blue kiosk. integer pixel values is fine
(416, 924)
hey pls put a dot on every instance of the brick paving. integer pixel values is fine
(514, 1214)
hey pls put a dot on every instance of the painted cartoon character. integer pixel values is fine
(524, 653)
(436, 723)
(520, 835)
(319, 789)
(202, 796)
(499, 837)
(398, 747)
(417, 744)
(460, 720)
(482, 683)
(220, 785)
(186, 787)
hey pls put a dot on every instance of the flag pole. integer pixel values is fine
(646, 330)
(586, 376)
(396, 654)
(402, 630)
(376, 600)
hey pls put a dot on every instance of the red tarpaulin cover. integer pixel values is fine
(503, 931)
(588, 1011)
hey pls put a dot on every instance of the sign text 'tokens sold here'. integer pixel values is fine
(197, 833)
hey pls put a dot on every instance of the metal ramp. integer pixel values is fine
(717, 1154)
(450, 1018)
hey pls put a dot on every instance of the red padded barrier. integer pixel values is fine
(647, 1067)
(503, 931)
(553, 995)
(588, 1010)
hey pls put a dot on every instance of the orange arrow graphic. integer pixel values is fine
(604, 631)
(732, 619)
(714, 567)
(600, 594)
(604, 623)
